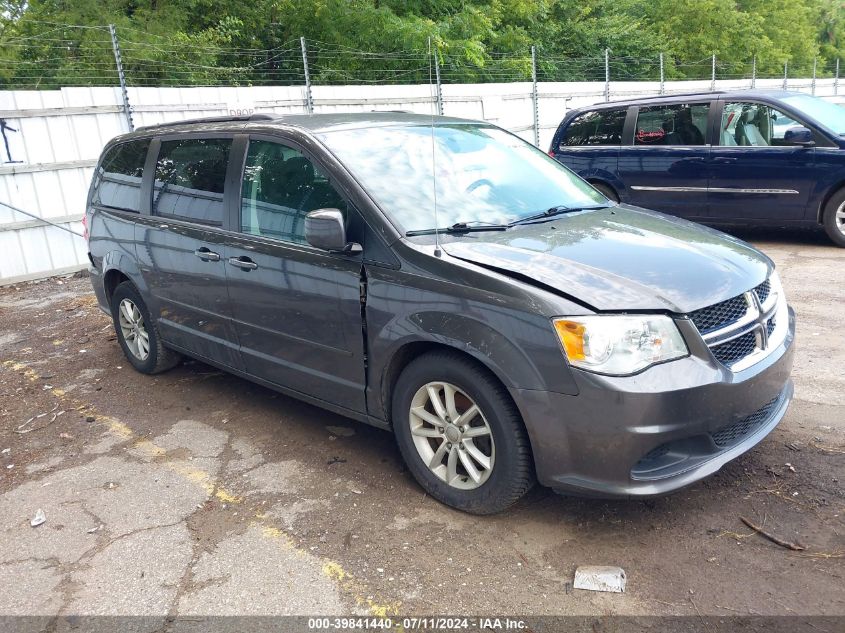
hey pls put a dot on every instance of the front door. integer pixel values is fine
(297, 309)
(666, 167)
(754, 174)
(182, 249)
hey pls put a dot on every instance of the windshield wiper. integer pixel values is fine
(552, 211)
(472, 226)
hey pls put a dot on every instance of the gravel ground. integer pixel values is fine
(194, 493)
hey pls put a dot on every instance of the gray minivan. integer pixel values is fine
(443, 279)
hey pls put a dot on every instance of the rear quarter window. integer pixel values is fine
(595, 128)
(119, 176)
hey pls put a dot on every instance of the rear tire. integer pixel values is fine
(479, 462)
(606, 190)
(137, 333)
(834, 218)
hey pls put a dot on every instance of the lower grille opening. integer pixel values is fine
(733, 433)
(679, 455)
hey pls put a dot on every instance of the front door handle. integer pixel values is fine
(244, 263)
(207, 255)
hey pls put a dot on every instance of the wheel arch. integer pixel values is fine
(409, 351)
(117, 268)
(832, 191)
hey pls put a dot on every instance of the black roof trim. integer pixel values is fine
(213, 119)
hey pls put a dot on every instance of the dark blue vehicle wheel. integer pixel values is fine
(834, 218)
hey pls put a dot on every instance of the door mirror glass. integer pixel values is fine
(798, 136)
(324, 229)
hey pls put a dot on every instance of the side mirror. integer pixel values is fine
(324, 229)
(799, 136)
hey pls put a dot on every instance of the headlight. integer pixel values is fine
(619, 345)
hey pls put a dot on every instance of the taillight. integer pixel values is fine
(552, 153)
(85, 227)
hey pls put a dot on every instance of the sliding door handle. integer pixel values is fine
(244, 263)
(207, 255)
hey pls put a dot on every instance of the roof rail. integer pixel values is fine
(211, 119)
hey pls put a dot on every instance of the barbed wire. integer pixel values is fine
(82, 55)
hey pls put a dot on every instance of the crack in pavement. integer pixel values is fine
(212, 486)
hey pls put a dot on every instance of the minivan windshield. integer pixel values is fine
(484, 175)
(830, 115)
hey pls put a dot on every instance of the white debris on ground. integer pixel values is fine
(39, 518)
(600, 578)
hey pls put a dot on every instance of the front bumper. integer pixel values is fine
(658, 431)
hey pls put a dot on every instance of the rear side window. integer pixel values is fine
(676, 124)
(189, 180)
(595, 128)
(119, 176)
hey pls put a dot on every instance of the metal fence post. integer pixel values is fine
(662, 78)
(713, 74)
(754, 72)
(535, 97)
(607, 74)
(439, 87)
(309, 102)
(127, 109)
(813, 85)
(785, 73)
(836, 79)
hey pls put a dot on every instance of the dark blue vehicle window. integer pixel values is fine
(189, 180)
(595, 128)
(677, 124)
(119, 176)
(754, 124)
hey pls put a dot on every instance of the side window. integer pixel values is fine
(280, 186)
(754, 124)
(595, 128)
(189, 180)
(119, 176)
(676, 124)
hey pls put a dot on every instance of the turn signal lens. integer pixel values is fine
(572, 338)
(619, 345)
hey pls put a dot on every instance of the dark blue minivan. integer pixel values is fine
(749, 157)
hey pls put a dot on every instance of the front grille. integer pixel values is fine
(743, 317)
(763, 291)
(735, 349)
(733, 433)
(770, 326)
(719, 315)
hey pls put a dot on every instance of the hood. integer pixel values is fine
(622, 258)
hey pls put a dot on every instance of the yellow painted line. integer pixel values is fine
(336, 573)
(331, 569)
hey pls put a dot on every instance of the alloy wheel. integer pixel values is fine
(451, 435)
(134, 330)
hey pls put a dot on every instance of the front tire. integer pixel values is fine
(834, 218)
(137, 333)
(460, 434)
